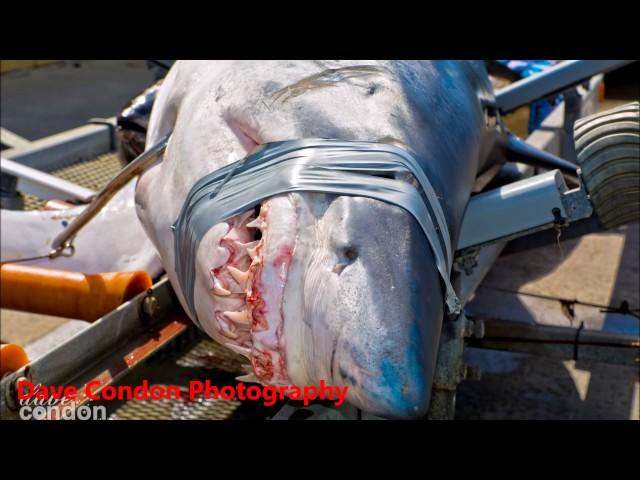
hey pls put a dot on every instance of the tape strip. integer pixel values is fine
(328, 166)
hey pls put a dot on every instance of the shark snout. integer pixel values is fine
(393, 381)
(366, 286)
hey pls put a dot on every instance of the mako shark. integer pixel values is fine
(308, 286)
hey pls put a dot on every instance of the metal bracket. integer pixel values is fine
(467, 260)
(577, 204)
(450, 366)
(519, 209)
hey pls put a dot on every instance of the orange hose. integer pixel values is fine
(68, 294)
(12, 358)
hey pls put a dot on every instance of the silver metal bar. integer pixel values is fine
(520, 208)
(64, 148)
(135, 168)
(12, 140)
(44, 185)
(553, 80)
(559, 342)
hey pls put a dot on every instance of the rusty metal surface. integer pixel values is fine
(200, 409)
(451, 368)
(191, 357)
(207, 353)
(194, 358)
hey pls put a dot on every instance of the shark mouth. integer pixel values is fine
(251, 281)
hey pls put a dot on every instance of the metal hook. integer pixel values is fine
(64, 240)
(66, 250)
(60, 251)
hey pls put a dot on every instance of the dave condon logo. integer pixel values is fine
(40, 402)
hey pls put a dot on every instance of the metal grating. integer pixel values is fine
(192, 357)
(200, 409)
(93, 174)
(209, 354)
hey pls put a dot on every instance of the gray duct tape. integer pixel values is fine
(329, 166)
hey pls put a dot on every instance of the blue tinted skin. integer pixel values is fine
(375, 325)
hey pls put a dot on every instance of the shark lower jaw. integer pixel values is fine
(247, 288)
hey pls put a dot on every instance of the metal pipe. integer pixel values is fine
(515, 208)
(553, 80)
(135, 168)
(559, 342)
(44, 185)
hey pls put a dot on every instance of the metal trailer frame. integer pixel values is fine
(140, 327)
(43, 185)
(554, 80)
(53, 152)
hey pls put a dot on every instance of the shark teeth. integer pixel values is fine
(242, 317)
(233, 282)
(218, 289)
(244, 351)
(256, 223)
(227, 330)
(239, 276)
(243, 217)
(248, 378)
(251, 248)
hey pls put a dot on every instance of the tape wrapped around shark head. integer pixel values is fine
(329, 166)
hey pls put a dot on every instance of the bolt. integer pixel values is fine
(11, 394)
(478, 328)
(474, 328)
(472, 372)
(150, 306)
(468, 328)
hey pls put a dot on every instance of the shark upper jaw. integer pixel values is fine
(239, 292)
(308, 290)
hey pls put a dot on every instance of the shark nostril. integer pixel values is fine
(346, 256)
(349, 253)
